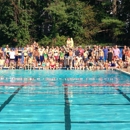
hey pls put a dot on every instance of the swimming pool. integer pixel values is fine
(64, 100)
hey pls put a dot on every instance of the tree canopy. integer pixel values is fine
(50, 22)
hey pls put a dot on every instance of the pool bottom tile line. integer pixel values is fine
(67, 110)
(121, 92)
(10, 97)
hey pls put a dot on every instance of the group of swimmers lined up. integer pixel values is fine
(90, 58)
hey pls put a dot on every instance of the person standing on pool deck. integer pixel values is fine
(12, 56)
(124, 53)
(30, 50)
(116, 52)
(81, 50)
(77, 51)
(25, 53)
(20, 54)
(70, 57)
(41, 55)
(128, 56)
(7, 59)
(1, 53)
(16, 56)
(110, 55)
(6, 50)
(85, 55)
(36, 55)
(105, 50)
(100, 55)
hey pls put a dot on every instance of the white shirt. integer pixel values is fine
(12, 55)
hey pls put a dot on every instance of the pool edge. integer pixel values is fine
(127, 73)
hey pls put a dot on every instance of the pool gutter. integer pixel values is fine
(128, 73)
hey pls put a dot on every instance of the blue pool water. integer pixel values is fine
(64, 100)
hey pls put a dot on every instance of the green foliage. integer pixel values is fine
(57, 41)
(106, 3)
(45, 41)
(52, 21)
(22, 36)
(112, 22)
(57, 12)
(82, 24)
(114, 25)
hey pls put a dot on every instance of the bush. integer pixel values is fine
(58, 41)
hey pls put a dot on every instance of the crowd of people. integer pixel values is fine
(34, 56)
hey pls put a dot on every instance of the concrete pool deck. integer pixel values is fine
(124, 70)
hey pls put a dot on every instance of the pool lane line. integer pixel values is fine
(55, 93)
(89, 104)
(121, 92)
(17, 84)
(67, 110)
(74, 122)
(96, 85)
(10, 98)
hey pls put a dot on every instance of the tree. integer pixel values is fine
(58, 16)
(82, 24)
(23, 21)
